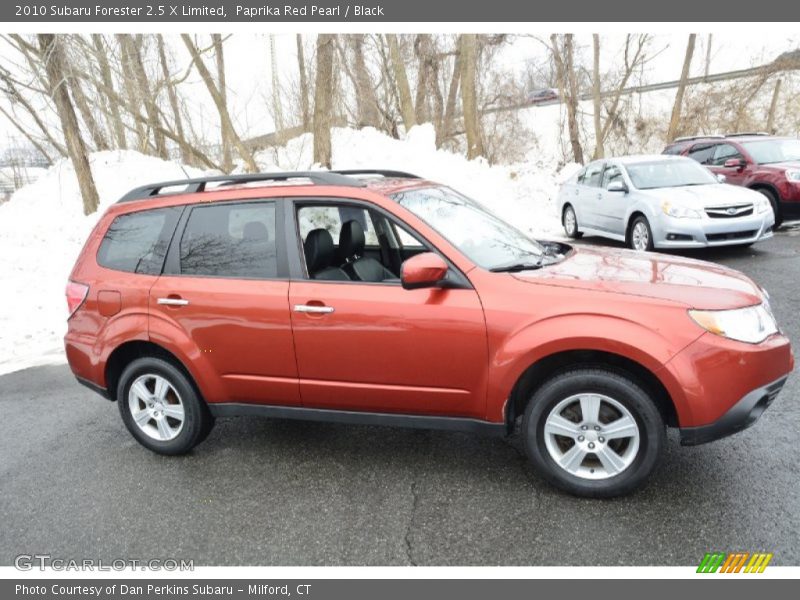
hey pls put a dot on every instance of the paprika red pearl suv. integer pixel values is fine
(382, 298)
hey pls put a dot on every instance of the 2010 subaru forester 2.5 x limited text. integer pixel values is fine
(378, 297)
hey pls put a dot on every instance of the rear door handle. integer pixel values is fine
(311, 308)
(172, 301)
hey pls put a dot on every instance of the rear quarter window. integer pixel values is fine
(137, 242)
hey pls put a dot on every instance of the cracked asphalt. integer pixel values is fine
(268, 492)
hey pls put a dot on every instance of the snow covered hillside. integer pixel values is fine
(42, 227)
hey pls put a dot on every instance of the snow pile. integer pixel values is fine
(42, 230)
(42, 226)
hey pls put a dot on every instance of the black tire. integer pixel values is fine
(623, 390)
(773, 200)
(640, 219)
(197, 423)
(571, 232)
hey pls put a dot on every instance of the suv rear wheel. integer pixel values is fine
(160, 407)
(593, 433)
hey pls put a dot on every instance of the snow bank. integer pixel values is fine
(42, 230)
(42, 227)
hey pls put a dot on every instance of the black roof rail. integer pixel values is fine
(191, 186)
(382, 172)
(689, 138)
(746, 133)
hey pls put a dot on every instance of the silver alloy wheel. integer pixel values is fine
(156, 407)
(591, 436)
(570, 221)
(640, 236)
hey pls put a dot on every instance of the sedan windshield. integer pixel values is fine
(765, 152)
(485, 239)
(669, 173)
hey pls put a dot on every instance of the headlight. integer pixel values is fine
(793, 175)
(680, 212)
(762, 205)
(753, 324)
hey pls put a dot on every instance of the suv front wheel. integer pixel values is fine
(160, 407)
(593, 432)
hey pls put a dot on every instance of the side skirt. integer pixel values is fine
(230, 409)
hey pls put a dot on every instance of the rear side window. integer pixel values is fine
(137, 242)
(230, 240)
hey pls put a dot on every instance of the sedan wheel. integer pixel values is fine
(641, 238)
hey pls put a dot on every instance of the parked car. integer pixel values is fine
(382, 298)
(545, 95)
(659, 202)
(768, 164)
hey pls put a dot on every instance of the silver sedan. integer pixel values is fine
(662, 202)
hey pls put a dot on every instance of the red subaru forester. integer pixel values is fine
(381, 298)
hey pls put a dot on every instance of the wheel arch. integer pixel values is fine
(549, 366)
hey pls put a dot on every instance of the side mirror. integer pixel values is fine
(423, 270)
(721, 178)
(617, 186)
(734, 163)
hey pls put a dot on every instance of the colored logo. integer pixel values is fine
(735, 562)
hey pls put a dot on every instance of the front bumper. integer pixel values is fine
(741, 415)
(669, 232)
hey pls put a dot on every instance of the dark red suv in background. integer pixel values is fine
(761, 162)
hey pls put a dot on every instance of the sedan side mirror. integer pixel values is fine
(617, 186)
(735, 163)
(423, 270)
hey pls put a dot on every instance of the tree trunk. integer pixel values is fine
(323, 96)
(675, 119)
(172, 95)
(219, 102)
(773, 106)
(422, 50)
(81, 102)
(219, 57)
(367, 101)
(55, 67)
(599, 150)
(450, 108)
(469, 101)
(401, 79)
(301, 65)
(100, 51)
(565, 73)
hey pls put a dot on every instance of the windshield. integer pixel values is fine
(669, 173)
(485, 239)
(765, 152)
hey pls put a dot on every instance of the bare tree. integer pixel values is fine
(219, 57)
(52, 54)
(405, 102)
(301, 66)
(675, 119)
(222, 107)
(172, 95)
(323, 99)
(599, 150)
(563, 55)
(468, 47)
(366, 99)
(773, 105)
(100, 52)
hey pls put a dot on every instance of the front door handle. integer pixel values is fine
(172, 301)
(313, 308)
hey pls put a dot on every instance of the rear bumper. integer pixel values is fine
(94, 387)
(740, 416)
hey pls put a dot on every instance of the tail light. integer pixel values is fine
(76, 294)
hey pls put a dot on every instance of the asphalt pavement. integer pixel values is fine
(75, 485)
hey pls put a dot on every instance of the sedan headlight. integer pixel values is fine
(680, 212)
(762, 205)
(752, 324)
(793, 175)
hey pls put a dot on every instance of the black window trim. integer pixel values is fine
(172, 267)
(165, 236)
(297, 262)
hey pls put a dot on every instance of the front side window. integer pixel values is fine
(137, 242)
(724, 153)
(481, 236)
(594, 175)
(230, 240)
(612, 173)
(332, 217)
